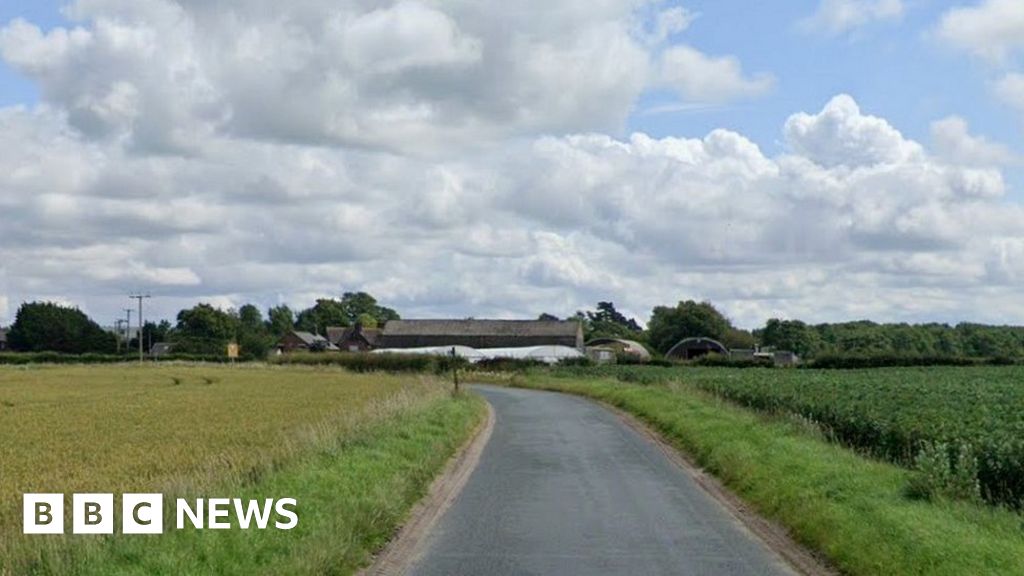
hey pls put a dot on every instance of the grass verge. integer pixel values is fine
(853, 510)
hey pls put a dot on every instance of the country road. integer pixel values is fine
(564, 487)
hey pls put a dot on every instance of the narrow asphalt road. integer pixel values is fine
(565, 488)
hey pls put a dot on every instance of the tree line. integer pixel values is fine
(206, 330)
(201, 330)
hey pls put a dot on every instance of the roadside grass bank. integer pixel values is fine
(853, 510)
(355, 451)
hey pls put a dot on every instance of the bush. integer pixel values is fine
(844, 362)
(719, 361)
(361, 362)
(23, 358)
(507, 364)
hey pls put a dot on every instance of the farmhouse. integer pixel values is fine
(3, 339)
(353, 338)
(299, 340)
(480, 333)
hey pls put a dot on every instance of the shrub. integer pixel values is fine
(361, 362)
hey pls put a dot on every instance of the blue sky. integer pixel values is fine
(206, 151)
(895, 70)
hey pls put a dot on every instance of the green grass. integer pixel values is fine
(356, 451)
(852, 509)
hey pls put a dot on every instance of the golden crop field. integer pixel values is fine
(176, 429)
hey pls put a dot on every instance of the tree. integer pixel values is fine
(357, 304)
(151, 334)
(280, 320)
(738, 338)
(792, 335)
(46, 326)
(253, 337)
(687, 319)
(547, 317)
(607, 322)
(326, 312)
(345, 312)
(204, 329)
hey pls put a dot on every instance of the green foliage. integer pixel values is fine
(945, 471)
(280, 320)
(345, 312)
(720, 361)
(204, 329)
(792, 335)
(359, 362)
(865, 339)
(687, 319)
(45, 326)
(894, 413)
(851, 362)
(607, 322)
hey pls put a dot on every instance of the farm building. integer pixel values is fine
(298, 340)
(480, 333)
(622, 347)
(353, 338)
(3, 339)
(690, 348)
(551, 354)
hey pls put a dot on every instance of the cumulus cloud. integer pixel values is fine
(841, 136)
(992, 29)
(275, 153)
(698, 77)
(835, 17)
(410, 76)
(952, 140)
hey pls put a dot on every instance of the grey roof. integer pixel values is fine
(480, 328)
(479, 333)
(161, 348)
(309, 338)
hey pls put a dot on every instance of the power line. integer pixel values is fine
(139, 297)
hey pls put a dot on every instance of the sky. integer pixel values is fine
(826, 160)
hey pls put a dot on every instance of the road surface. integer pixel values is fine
(565, 488)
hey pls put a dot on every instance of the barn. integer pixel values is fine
(690, 348)
(480, 333)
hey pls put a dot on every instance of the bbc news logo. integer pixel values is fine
(144, 513)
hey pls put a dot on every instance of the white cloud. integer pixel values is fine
(991, 29)
(469, 164)
(698, 77)
(953, 141)
(1010, 89)
(835, 17)
(841, 136)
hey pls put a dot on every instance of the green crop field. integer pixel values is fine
(967, 413)
(356, 451)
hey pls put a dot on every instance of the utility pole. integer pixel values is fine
(140, 297)
(118, 325)
(128, 329)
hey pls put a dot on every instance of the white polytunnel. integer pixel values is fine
(548, 354)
